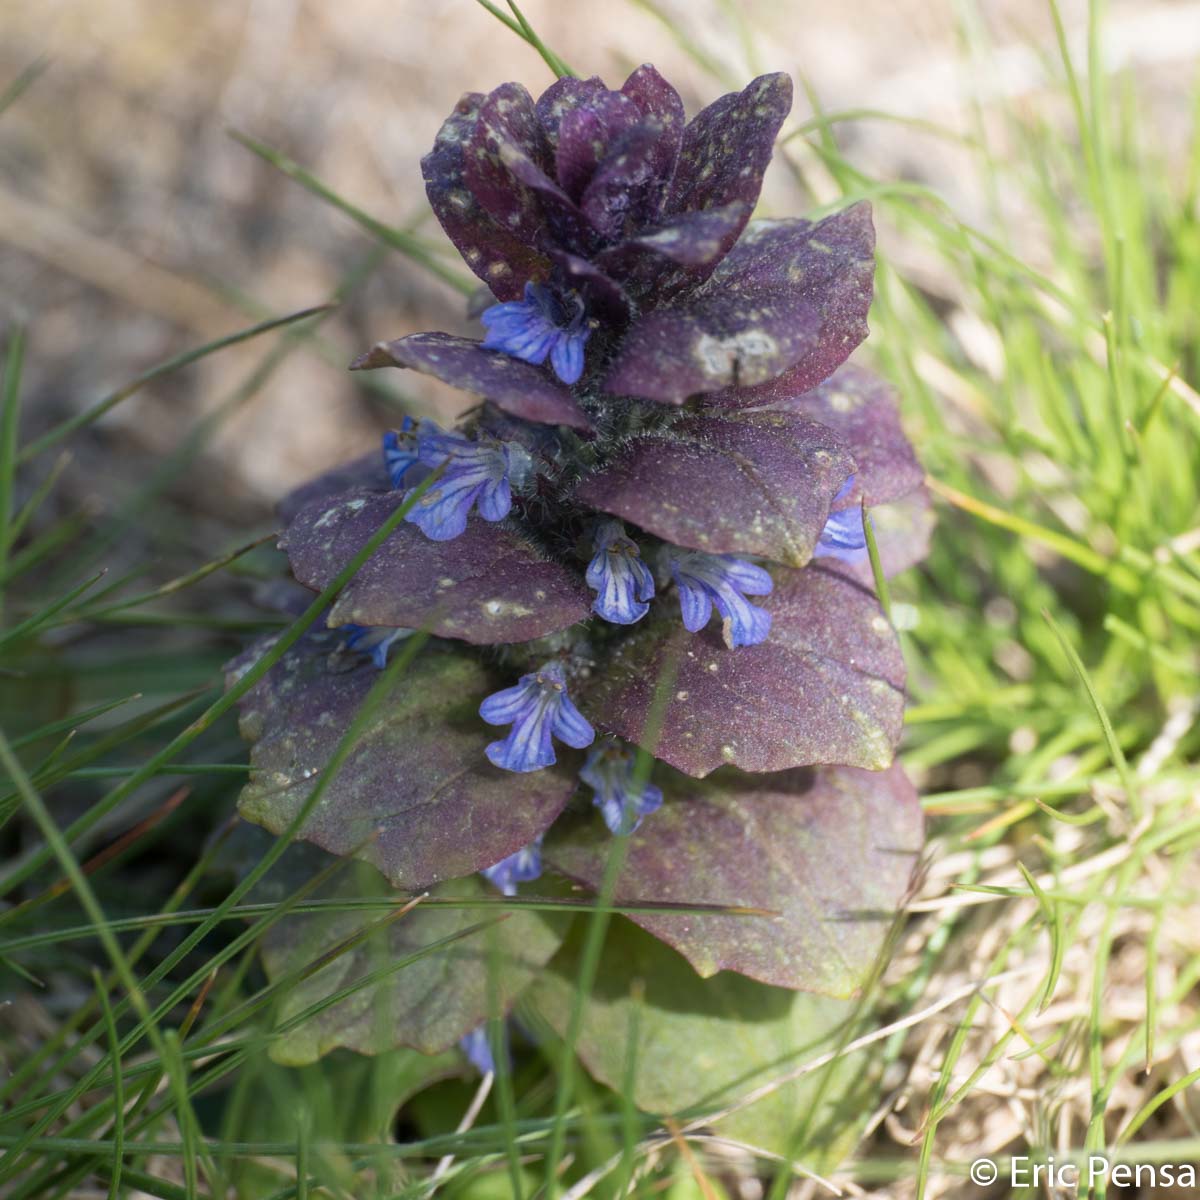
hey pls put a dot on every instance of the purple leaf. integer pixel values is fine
(564, 96)
(680, 253)
(417, 798)
(628, 188)
(603, 297)
(790, 294)
(367, 473)
(727, 147)
(827, 686)
(660, 104)
(861, 408)
(396, 1010)
(746, 483)
(832, 851)
(501, 260)
(508, 164)
(517, 387)
(488, 586)
(585, 134)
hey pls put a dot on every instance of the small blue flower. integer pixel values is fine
(622, 801)
(707, 579)
(540, 327)
(400, 451)
(375, 640)
(619, 576)
(536, 707)
(477, 473)
(521, 867)
(478, 1049)
(843, 536)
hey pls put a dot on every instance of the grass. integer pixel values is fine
(1042, 993)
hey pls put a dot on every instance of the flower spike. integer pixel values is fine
(609, 772)
(617, 573)
(537, 707)
(705, 580)
(540, 327)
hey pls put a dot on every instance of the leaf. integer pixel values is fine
(490, 585)
(366, 472)
(427, 1004)
(509, 162)
(791, 294)
(753, 483)
(727, 147)
(586, 133)
(831, 850)
(517, 387)
(827, 686)
(417, 798)
(501, 260)
(704, 1043)
(860, 407)
(678, 254)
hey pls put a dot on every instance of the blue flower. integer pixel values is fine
(536, 707)
(375, 640)
(521, 867)
(622, 801)
(477, 473)
(619, 576)
(843, 536)
(540, 327)
(707, 579)
(400, 451)
(478, 1049)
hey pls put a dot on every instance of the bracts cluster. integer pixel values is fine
(648, 534)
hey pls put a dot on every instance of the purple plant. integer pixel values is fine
(669, 432)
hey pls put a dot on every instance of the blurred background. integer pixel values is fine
(133, 226)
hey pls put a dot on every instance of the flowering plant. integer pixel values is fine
(649, 534)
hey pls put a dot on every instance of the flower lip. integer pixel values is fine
(541, 326)
(622, 581)
(538, 709)
(844, 536)
(400, 451)
(522, 866)
(374, 640)
(478, 473)
(610, 771)
(723, 581)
